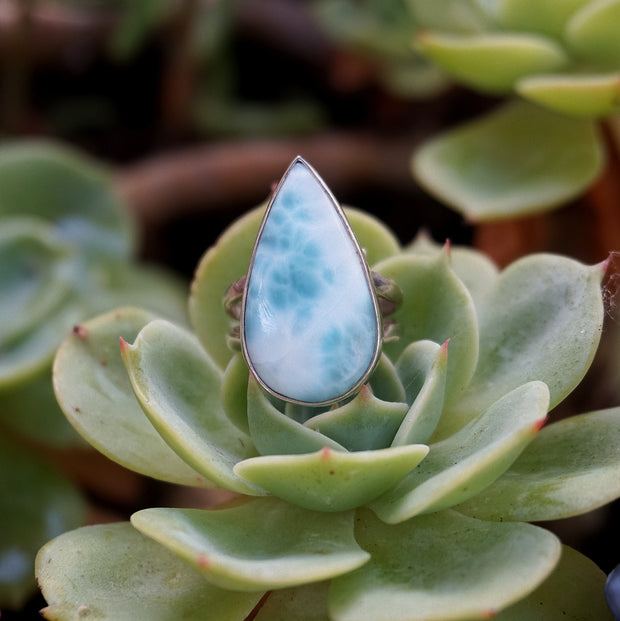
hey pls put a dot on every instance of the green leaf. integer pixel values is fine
(573, 592)
(275, 433)
(460, 16)
(422, 369)
(262, 544)
(235, 392)
(592, 32)
(437, 307)
(303, 603)
(363, 424)
(441, 566)
(36, 504)
(229, 259)
(178, 387)
(541, 321)
(113, 573)
(491, 62)
(545, 16)
(385, 383)
(34, 276)
(26, 357)
(475, 270)
(32, 411)
(571, 467)
(576, 95)
(517, 160)
(331, 480)
(136, 22)
(72, 192)
(124, 284)
(94, 392)
(465, 463)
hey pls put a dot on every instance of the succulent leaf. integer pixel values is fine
(34, 278)
(111, 572)
(303, 603)
(441, 566)
(95, 394)
(385, 383)
(458, 16)
(229, 259)
(178, 387)
(422, 370)
(260, 545)
(36, 504)
(570, 468)
(575, 587)
(331, 480)
(541, 320)
(577, 95)
(471, 168)
(235, 392)
(52, 182)
(274, 433)
(466, 462)
(545, 16)
(363, 424)
(592, 32)
(475, 270)
(444, 311)
(491, 62)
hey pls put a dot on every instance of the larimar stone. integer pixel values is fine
(311, 326)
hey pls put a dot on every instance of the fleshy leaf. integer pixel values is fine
(576, 95)
(545, 16)
(385, 383)
(571, 467)
(262, 544)
(331, 480)
(235, 392)
(574, 590)
(592, 32)
(229, 259)
(34, 277)
(470, 168)
(274, 433)
(437, 307)
(422, 369)
(460, 466)
(303, 603)
(363, 424)
(491, 62)
(441, 566)
(36, 504)
(475, 270)
(70, 191)
(112, 572)
(94, 392)
(178, 387)
(541, 321)
(461, 16)
(32, 411)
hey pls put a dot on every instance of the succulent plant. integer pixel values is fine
(612, 591)
(66, 248)
(560, 62)
(409, 501)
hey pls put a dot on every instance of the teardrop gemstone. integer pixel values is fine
(310, 321)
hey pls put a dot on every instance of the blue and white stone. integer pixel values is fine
(311, 329)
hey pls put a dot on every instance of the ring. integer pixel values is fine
(310, 315)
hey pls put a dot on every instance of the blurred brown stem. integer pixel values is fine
(232, 173)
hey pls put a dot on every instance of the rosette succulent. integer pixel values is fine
(66, 247)
(409, 501)
(560, 61)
